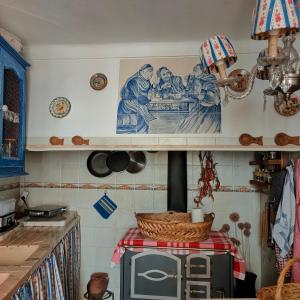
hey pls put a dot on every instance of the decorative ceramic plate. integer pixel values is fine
(59, 107)
(289, 108)
(98, 81)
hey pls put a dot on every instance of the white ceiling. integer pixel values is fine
(121, 21)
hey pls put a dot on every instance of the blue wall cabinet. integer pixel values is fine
(12, 111)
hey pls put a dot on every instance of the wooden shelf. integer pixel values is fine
(272, 162)
(110, 144)
(262, 187)
(260, 184)
(268, 162)
(269, 165)
(254, 163)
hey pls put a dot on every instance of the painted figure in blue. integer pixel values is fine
(169, 86)
(205, 116)
(133, 114)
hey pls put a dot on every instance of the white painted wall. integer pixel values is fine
(9, 188)
(66, 70)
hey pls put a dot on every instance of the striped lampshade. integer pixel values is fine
(215, 49)
(282, 15)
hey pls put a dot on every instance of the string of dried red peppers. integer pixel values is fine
(208, 176)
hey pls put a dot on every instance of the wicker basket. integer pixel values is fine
(174, 226)
(281, 291)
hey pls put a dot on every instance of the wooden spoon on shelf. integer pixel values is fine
(55, 141)
(247, 139)
(282, 139)
(78, 140)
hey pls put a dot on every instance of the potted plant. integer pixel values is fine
(243, 288)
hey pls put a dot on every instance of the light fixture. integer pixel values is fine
(218, 54)
(272, 19)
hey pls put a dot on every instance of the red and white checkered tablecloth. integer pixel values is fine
(216, 242)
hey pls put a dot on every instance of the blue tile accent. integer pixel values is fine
(170, 103)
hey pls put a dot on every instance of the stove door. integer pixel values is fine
(155, 275)
(197, 290)
(198, 266)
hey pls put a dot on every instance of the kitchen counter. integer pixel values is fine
(41, 239)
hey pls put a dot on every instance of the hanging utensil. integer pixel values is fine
(96, 163)
(137, 161)
(118, 161)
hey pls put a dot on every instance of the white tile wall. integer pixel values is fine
(99, 236)
(9, 193)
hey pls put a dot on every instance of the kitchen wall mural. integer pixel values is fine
(167, 96)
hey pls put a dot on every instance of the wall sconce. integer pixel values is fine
(272, 19)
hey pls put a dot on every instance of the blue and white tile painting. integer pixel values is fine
(165, 96)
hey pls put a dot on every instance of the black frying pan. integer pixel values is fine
(96, 163)
(137, 161)
(118, 161)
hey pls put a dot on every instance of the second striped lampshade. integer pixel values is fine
(218, 53)
(274, 18)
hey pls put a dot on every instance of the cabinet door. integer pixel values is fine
(12, 134)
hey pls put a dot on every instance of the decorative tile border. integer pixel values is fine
(9, 186)
(137, 187)
(126, 187)
(160, 187)
(50, 185)
(144, 187)
(69, 186)
(246, 189)
(87, 186)
(33, 185)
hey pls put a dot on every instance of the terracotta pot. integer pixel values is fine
(97, 285)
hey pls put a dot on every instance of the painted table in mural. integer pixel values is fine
(168, 112)
(170, 106)
(216, 242)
